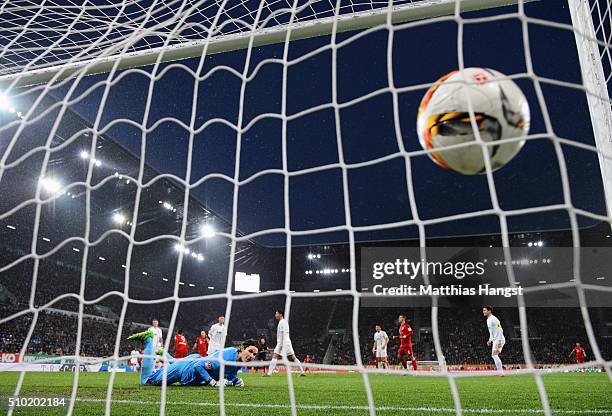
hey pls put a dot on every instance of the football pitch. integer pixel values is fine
(322, 394)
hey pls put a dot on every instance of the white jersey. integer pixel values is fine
(496, 333)
(216, 336)
(282, 332)
(380, 343)
(380, 340)
(157, 338)
(134, 357)
(283, 341)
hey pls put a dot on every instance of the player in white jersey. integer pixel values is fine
(134, 359)
(158, 339)
(283, 348)
(216, 336)
(379, 348)
(496, 336)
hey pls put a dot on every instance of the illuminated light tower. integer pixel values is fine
(119, 218)
(5, 103)
(50, 185)
(208, 231)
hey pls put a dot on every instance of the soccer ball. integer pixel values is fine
(500, 112)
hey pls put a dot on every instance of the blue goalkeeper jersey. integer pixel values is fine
(213, 367)
(195, 371)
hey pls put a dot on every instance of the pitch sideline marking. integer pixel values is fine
(346, 407)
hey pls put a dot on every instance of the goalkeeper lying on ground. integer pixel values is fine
(194, 370)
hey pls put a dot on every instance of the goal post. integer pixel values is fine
(219, 43)
(588, 45)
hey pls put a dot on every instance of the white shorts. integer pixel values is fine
(284, 351)
(134, 361)
(497, 345)
(381, 353)
(212, 349)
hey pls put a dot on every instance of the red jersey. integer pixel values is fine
(181, 348)
(579, 351)
(202, 344)
(307, 360)
(405, 334)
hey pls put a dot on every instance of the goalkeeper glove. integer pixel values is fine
(215, 383)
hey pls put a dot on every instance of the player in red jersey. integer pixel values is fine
(307, 360)
(201, 344)
(405, 348)
(181, 348)
(579, 352)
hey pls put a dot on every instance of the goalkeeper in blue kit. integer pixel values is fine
(194, 370)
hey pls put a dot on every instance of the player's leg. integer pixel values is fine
(384, 362)
(148, 364)
(275, 357)
(293, 358)
(412, 358)
(401, 355)
(496, 349)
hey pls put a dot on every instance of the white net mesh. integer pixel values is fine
(157, 79)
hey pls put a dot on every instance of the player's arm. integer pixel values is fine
(386, 342)
(374, 346)
(408, 333)
(283, 338)
(231, 377)
(491, 334)
(571, 352)
(200, 369)
(195, 344)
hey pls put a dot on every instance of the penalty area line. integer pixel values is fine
(354, 408)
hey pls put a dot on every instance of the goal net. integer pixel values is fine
(183, 160)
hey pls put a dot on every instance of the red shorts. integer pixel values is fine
(180, 354)
(579, 360)
(404, 350)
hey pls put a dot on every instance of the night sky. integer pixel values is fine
(378, 193)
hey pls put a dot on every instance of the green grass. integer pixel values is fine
(343, 393)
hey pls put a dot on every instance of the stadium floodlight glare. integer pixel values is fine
(119, 218)
(200, 257)
(540, 243)
(310, 256)
(208, 231)
(50, 185)
(84, 154)
(530, 244)
(5, 103)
